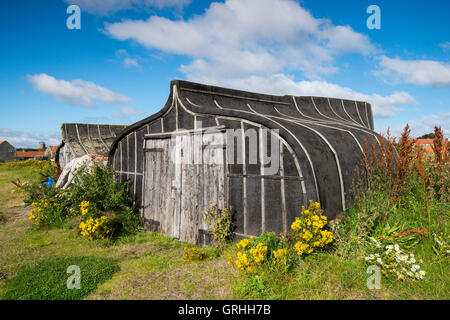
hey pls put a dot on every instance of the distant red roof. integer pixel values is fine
(426, 145)
(29, 154)
(53, 148)
(424, 141)
(2, 142)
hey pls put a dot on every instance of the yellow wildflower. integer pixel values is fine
(244, 243)
(259, 253)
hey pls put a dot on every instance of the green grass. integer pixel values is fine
(47, 279)
(8, 197)
(148, 265)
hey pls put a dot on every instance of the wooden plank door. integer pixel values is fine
(177, 191)
(202, 181)
(162, 187)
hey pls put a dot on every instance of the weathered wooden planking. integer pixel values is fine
(183, 176)
(159, 196)
(189, 202)
(202, 181)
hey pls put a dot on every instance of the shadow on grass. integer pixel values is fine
(47, 279)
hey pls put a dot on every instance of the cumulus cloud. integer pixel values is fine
(106, 7)
(425, 125)
(131, 62)
(23, 139)
(126, 59)
(420, 72)
(77, 91)
(258, 45)
(248, 37)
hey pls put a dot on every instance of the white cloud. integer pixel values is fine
(257, 45)
(23, 139)
(106, 7)
(248, 37)
(77, 91)
(126, 59)
(445, 45)
(280, 84)
(425, 125)
(131, 62)
(126, 112)
(420, 72)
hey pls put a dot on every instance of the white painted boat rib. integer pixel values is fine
(244, 179)
(121, 156)
(357, 111)
(128, 155)
(334, 123)
(67, 145)
(296, 120)
(299, 111)
(318, 119)
(176, 115)
(299, 143)
(131, 173)
(291, 151)
(263, 189)
(345, 110)
(79, 139)
(282, 187)
(324, 124)
(315, 107)
(100, 137)
(135, 163)
(329, 104)
(331, 123)
(186, 109)
(336, 158)
(215, 102)
(367, 115)
(363, 129)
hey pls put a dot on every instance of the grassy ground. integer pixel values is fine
(151, 266)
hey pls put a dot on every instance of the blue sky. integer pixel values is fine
(117, 67)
